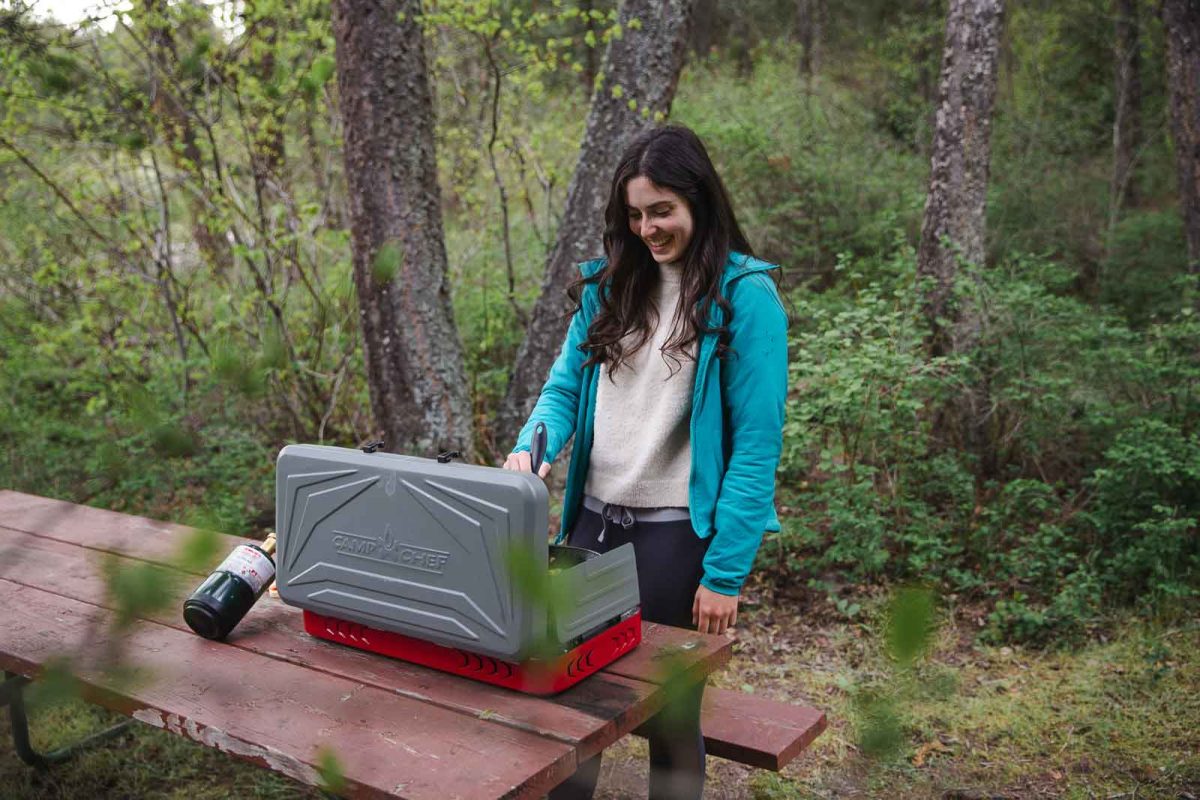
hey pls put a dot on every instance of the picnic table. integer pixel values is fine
(273, 695)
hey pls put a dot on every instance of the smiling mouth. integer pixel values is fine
(659, 242)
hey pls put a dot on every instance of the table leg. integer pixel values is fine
(12, 695)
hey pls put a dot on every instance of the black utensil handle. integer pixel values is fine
(537, 449)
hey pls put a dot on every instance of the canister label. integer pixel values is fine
(250, 565)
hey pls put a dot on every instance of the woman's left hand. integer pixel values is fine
(713, 612)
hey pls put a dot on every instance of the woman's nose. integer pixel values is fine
(645, 228)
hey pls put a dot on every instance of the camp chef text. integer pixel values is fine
(385, 548)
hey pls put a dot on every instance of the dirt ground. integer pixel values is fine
(1119, 718)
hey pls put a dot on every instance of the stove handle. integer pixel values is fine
(537, 448)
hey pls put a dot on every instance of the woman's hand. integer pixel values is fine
(520, 462)
(713, 612)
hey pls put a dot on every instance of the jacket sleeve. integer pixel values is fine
(754, 393)
(558, 404)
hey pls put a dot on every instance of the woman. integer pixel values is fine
(672, 379)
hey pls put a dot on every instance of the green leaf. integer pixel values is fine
(331, 772)
(274, 350)
(136, 588)
(55, 685)
(132, 141)
(910, 624)
(175, 441)
(322, 70)
(388, 260)
(199, 549)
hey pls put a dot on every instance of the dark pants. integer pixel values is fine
(669, 566)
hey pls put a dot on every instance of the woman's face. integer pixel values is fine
(660, 218)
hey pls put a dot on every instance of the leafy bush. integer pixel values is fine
(1144, 511)
(1092, 423)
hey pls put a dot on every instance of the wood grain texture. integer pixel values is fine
(589, 716)
(96, 528)
(664, 649)
(272, 712)
(756, 730)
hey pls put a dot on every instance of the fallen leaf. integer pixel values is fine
(926, 750)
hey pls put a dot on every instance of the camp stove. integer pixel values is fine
(447, 565)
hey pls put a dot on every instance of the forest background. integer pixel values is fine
(180, 297)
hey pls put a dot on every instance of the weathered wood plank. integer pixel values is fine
(589, 716)
(275, 713)
(668, 653)
(665, 649)
(97, 528)
(756, 730)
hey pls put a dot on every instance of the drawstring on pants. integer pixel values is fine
(627, 516)
(621, 515)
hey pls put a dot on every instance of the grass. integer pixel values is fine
(1118, 718)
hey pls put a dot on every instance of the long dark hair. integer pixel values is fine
(671, 157)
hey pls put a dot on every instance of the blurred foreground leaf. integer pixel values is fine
(882, 709)
(198, 549)
(879, 729)
(55, 686)
(136, 589)
(329, 768)
(910, 624)
(536, 584)
(388, 260)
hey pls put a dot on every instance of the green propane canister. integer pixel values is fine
(226, 595)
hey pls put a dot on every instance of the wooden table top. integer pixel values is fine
(274, 695)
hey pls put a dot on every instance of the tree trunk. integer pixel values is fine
(1181, 20)
(645, 63)
(810, 29)
(590, 60)
(954, 225)
(702, 33)
(414, 357)
(1127, 102)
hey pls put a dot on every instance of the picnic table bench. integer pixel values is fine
(275, 696)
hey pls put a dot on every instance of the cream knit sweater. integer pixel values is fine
(641, 447)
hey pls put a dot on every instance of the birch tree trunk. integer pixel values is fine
(642, 67)
(954, 225)
(418, 386)
(1181, 20)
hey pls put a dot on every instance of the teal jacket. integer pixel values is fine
(736, 423)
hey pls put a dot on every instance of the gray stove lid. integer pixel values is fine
(411, 545)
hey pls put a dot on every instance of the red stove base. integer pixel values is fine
(534, 676)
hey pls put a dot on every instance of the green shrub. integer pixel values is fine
(1093, 427)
